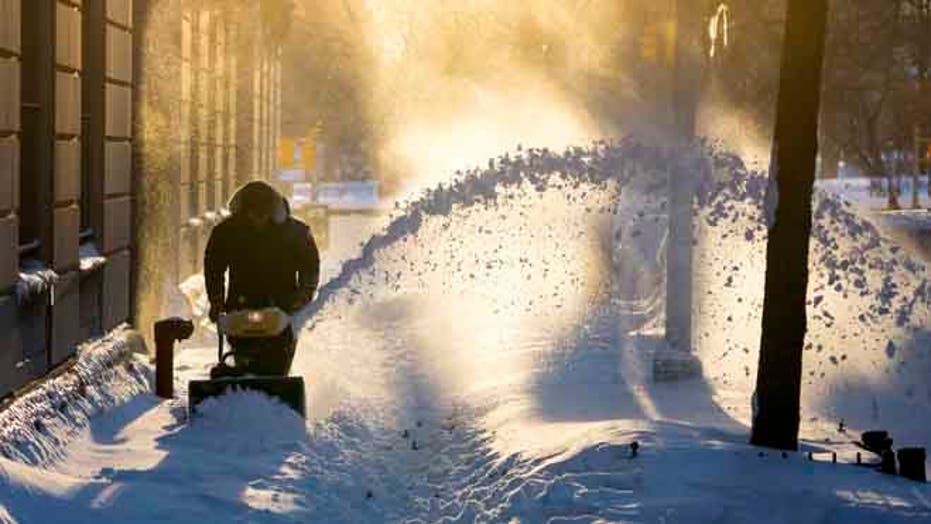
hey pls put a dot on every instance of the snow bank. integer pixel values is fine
(261, 422)
(35, 428)
(857, 190)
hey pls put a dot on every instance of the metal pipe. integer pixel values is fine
(167, 332)
(29, 247)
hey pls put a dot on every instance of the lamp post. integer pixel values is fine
(678, 362)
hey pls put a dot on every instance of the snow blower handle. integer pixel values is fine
(222, 355)
(219, 346)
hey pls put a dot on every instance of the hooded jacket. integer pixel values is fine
(278, 265)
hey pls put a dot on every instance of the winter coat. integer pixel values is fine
(278, 265)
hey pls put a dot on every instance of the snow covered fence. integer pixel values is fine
(37, 424)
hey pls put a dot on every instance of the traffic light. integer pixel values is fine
(670, 33)
(286, 148)
(650, 42)
(658, 42)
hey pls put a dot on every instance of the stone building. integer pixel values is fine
(124, 127)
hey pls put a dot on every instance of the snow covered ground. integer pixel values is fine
(857, 190)
(486, 356)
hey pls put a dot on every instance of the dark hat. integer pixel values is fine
(260, 198)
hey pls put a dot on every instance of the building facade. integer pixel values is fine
(124, 127)
(65, 172)
(209, 114)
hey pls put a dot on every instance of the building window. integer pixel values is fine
(92, 119)
(36, 97)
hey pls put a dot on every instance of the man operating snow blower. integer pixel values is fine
(272, 267)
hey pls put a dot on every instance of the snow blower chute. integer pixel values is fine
(261, 349)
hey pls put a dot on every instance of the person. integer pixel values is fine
(272, 261)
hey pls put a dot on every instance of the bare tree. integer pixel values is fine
(917, 32)
(779, 376)
(870, 101)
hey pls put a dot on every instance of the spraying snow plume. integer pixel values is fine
(509, 263)
(429, 88)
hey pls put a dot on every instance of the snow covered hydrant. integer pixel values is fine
(167, 332)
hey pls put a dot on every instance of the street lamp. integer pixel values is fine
(719, 30)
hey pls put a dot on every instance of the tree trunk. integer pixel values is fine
(779, 376)
(892, 202)
(916, 203)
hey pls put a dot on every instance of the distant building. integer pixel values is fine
(123, 131)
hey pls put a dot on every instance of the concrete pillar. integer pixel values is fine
(93, 159)
(117, 232)
(245, 106)
(678, 361)
(232, 121)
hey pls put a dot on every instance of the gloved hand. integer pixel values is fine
(300, 300)
(215, 311)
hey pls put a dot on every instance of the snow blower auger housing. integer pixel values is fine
(262, 345)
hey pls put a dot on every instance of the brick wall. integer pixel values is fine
(71, 151)
(9, 139)
(66, 181)
(68, 76)
(10, 49)
(33, 121)
(116, 236)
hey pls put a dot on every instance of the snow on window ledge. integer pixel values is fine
(35, 280)
(90, 259)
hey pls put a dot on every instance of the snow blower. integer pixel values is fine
(261, 349)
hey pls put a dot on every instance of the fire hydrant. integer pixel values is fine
(167, 332)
